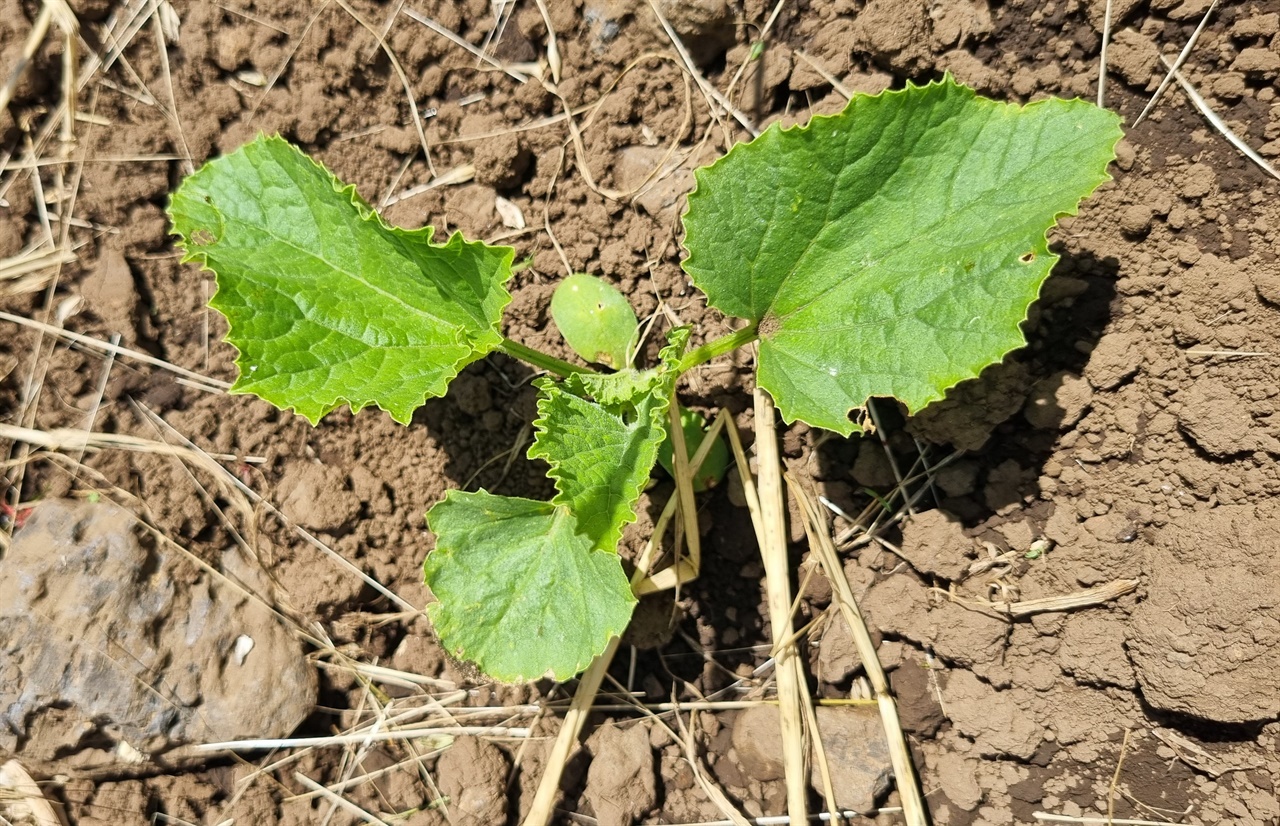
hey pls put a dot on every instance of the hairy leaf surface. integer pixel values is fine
(327, 304)
(892, 249)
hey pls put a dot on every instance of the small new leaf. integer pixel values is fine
(600, 436)
(892, 249)
(327, 304)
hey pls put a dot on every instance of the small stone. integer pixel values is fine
(1136, 220)
(857, 754)
(757, 738)
(1058, 401)
(473, 775)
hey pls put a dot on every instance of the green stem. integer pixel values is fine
(540, 359)
(718, 347)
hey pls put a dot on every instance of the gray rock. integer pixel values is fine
(473, 775)
(106, 640)
(621, 781)
(852, 738)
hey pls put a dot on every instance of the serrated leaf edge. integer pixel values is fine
(191, 254)
(663, 387)
(947, 78)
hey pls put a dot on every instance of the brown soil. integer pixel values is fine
(1138, 433)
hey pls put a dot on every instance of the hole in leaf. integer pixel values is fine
(1027, 257)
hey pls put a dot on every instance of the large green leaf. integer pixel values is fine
(327, 304)
(892, 249)
(521, 591)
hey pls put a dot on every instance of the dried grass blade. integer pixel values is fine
(777, 573)
(900, 755)
(1177, 64)
(1218, 123)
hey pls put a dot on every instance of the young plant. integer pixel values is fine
(890, 250)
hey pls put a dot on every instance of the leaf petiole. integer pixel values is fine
(718, 347)
(541, 360)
